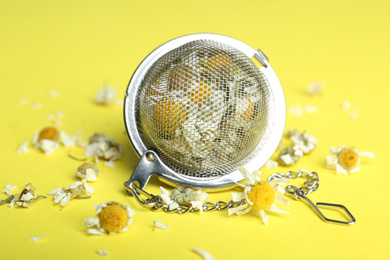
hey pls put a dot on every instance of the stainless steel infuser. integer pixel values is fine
(198, 107)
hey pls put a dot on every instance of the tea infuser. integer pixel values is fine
(198, 107)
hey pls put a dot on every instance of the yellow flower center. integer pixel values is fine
(169, 115)
(49, 133)
(262, 195)
(201, 93)
(113, 218)
(348, 158)
(249, 109)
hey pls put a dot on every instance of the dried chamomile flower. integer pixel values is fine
(302, 141)
(88, 172)
(164, 195)
(315, 89)
(22, 199)
(112, 218)
(159, 224)
(64, 195)
(184, 196)
(105, 96)
(346, 160)
(290, 155)
(105, 148)
(47, 140)
(259, 195)
(204, 254)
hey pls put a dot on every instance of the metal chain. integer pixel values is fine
(310, 186)
(156, 202)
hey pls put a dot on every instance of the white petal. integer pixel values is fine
(27, 197)
(35, 239)
(23, 147)
(88, 188)
(286, 159)
(92, 149)
(310, 109)
(99, 207)
(336, 150)
(65, 200)
(204, 254)
(240, 210)
(48, 146)
(159, 224)
(55, 191)
(90, 222)
(368, 154)
(130, 212)
(345, 105)
(341, 170)
(75, 185)
(238, 196)
(264, 217)
(67, 140)
(35, 138)
(246, 175)
(203, 196)
(277, 209)
(173, 205)
(357, 168)
(102, 252)
(282, 199)
(110, 164)
(58, 197)
(331, 161)
(12, 203)
(8, 188)
(197, 205)
(280, 190)
(271, 164)
(95, 231)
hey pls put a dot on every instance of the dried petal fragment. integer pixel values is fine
(35, 239)
(204, 254)
(102, 252)
(159, 224)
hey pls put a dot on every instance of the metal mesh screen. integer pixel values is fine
(204, 108)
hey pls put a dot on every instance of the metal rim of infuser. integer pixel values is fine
(198, 107)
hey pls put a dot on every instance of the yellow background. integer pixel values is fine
(76, 47)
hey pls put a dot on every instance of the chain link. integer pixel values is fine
(156, 202)
(309, 186)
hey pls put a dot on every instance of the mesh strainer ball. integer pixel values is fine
(198, 107)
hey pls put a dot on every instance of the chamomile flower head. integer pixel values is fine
(290, 155)
(345, 159)
(87, 171)
(302, 141)
(104, 147)
(184, 196)
(112, 218)
(22, 199)
(64, 195)
(259, 195)
(47, 140)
